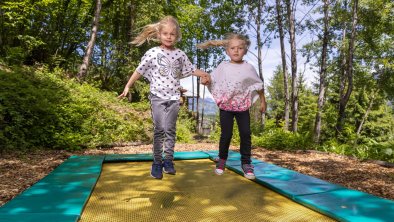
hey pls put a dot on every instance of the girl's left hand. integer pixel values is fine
(263, 107)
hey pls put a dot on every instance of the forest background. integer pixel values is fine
(63, 62)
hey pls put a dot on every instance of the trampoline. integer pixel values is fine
(119, 188)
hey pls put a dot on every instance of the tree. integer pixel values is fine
(255, 23)
(365, 116)
(294, 88)
(89, 49)
(375, 44)
(276, 96)
(284, 65)
(348, 70)
(322, 73)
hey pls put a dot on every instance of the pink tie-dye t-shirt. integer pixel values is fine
(234, 86)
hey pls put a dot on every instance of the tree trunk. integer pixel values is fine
(132, 7)
(132, 20)
(1, 30)
(89, 49)
(349, 70)
(259, 43)
(284, 66)
(259, 48)
(342, 79)
(366, 113)
(198, 95)
(197, 105)
(323, 74)
(192, 94)
(202, 110)
(294, 88)
(203, 96)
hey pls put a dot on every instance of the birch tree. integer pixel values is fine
(254, 23)
(294, 81)
(89, 49)
(322, 73)
(279, 14)
(258, 24)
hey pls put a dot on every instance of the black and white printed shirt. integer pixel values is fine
(163, 69)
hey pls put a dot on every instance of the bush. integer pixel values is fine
(40, 109)
(185, 126)
(370, 150)
(283, 140)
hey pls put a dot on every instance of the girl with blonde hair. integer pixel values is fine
(235, 86)
(163, 66)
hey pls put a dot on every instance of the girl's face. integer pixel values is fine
(168, 36)
(236, 49)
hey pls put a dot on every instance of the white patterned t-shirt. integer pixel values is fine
(163, 69)
(234, 86)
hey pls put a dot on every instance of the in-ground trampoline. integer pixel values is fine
(119, 188)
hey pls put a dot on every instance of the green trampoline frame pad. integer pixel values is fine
(333, 200)
(350, 205)
(34, 217)
(63, 193)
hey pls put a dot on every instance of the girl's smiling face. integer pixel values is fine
(168, 36)
(236, 49)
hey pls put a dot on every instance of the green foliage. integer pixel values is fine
(39, 109)
(185, 126)
(371, 150)
(277, 138)
(43, 29)
(276, 96)
(183, 134)
(15, 55)
(307, 110)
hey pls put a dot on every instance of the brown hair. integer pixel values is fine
(229, 36)
(151, 31)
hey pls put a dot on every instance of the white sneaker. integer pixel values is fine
(220, 166)
(248, 171)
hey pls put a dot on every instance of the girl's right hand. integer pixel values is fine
(124, 93)
(206, 79)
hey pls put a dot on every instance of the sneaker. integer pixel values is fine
(168, 167)
(248, 171)
(157, 170)
(220, 166)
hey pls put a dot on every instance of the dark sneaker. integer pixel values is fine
(220, 166)
(168, 167)
(248, 171)
(157, 170)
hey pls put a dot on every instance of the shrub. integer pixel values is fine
(40, 109)
(370, 150)
(185, 126)
(283, 140)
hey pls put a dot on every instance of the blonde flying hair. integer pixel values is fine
(151, 32)
(224, 42)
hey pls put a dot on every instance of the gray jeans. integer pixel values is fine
(164, 115)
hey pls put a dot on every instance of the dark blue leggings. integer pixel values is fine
(226, 124)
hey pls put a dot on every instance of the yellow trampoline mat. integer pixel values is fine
(126, 192)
